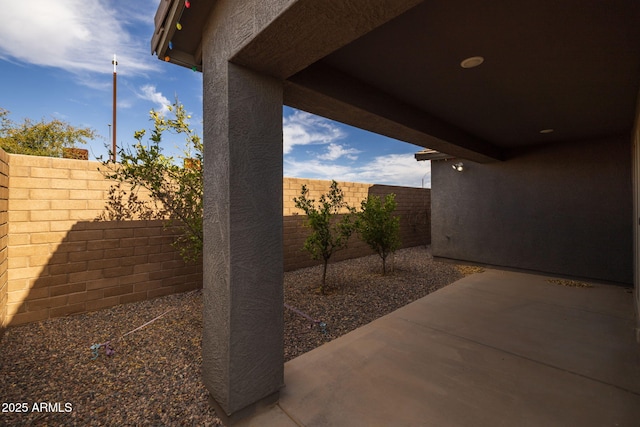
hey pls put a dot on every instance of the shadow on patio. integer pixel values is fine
(497, 348)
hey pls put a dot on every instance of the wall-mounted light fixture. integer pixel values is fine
(458, 166)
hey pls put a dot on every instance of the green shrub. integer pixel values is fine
(378, 227)
(328, 233)
(40, 138)
(175, 186)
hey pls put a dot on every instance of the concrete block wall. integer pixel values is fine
(4, 231)
(413, 207)
(295, 233)
(354, 192)
(414, 210)
(57, 260)
(296, 257)
(62, 261)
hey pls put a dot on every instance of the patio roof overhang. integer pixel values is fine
(552, 72)
(173, 45)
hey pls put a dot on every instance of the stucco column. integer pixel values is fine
(243, 265)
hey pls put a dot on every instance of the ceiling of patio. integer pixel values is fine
(572, 66)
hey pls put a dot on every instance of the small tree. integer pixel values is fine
(40, 138)
(174, 186)
(329, 234)
(378, 227)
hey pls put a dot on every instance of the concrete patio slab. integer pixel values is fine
(493, 349)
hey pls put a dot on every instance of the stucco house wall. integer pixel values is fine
(561, 209)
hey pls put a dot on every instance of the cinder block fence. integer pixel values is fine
(56, 259)
(4, 244)
(62, 261)
(414, 207)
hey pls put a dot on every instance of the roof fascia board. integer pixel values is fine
(166, 19)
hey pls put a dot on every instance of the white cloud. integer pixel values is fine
(335, 151)
(393, 169)
(79, 36)
(150, 93)
(301, 128)
(125, 103)
(314, 169)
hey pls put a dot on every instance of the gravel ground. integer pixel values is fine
(154, 376)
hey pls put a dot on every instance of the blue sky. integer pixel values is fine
(55, 62)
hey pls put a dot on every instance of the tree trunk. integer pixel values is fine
(324, 276)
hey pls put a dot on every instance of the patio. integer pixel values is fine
(496, 348)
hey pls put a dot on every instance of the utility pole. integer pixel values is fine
(113, 145)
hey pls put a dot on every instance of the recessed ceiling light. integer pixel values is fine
(545, 131)
(471, 62)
